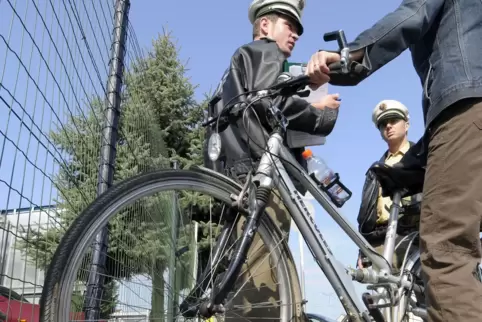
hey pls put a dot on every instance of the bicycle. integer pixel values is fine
(273, 171)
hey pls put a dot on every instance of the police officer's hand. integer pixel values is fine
(330, 100)
(317, 68)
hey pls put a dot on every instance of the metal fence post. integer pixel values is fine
(172, 302)
(95, 285)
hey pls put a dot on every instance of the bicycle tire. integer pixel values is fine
(85, 227)
(416, 272)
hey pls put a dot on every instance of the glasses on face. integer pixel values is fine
(392, 121)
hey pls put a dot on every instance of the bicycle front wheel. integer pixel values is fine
(64, 280)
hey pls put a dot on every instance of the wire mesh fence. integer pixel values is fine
(54, 91)
(49, 78)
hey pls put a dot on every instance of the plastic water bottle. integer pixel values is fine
(324, 175)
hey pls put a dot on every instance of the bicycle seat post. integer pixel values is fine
(392, 228)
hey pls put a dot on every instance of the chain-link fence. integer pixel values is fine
(70, 74)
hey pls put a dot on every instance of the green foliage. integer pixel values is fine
(160, 122)
(164, 87)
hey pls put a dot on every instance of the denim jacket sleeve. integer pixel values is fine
(391, 35)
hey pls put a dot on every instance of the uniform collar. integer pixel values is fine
(403, 149)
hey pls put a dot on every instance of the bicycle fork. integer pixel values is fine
(256, 209)
(259, 191)
(190, 307)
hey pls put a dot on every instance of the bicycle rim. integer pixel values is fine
(56, 295)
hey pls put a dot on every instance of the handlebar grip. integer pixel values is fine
(300, 80)
(295, 82)
(339, 36)
(330, 36)
(334, 66)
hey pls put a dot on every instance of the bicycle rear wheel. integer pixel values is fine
(62, 275)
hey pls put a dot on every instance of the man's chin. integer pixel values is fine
(287, 53)
(392, 139)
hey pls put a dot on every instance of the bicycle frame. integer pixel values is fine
(333, 270)
(271, 167)
(272, 172)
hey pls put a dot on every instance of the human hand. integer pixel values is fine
(330, 101)
(360, 263)
(317, 68)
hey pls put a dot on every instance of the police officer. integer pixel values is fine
(276, 29)
(392, 119)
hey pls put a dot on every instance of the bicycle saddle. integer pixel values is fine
(408, 181)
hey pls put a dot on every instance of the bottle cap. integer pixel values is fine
(307, 154)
